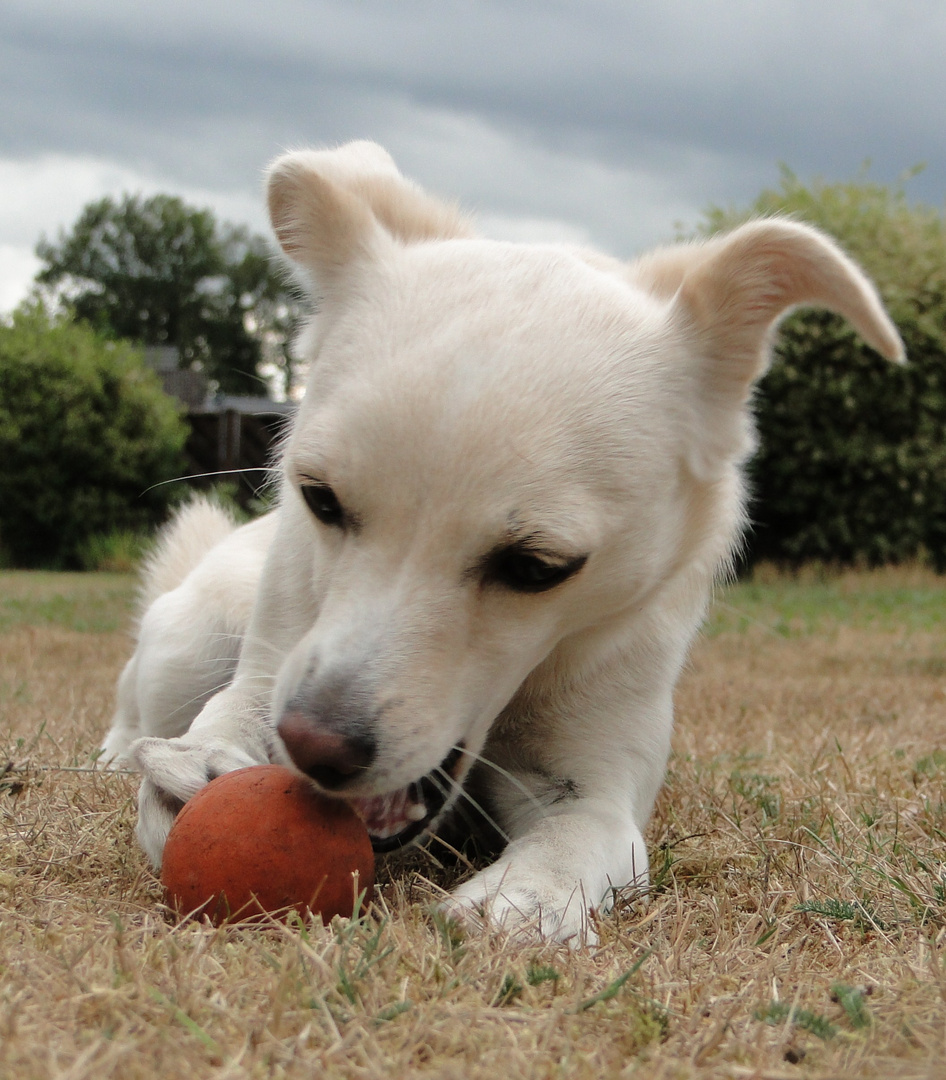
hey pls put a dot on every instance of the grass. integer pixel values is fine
(100, 603)
(796, 927)
(816, 600)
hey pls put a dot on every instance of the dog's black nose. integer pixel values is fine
(331, 759)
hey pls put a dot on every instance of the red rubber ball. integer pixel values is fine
(263, 840)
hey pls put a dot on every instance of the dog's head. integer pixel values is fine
(504, 453)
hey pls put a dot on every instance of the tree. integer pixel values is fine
(158, 272)
(87, 438)
(852, 459)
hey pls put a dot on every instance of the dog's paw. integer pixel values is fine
(525, 908)
(174, 771)
(113, 753)
(156, 813)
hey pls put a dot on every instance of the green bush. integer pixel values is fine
(85, 435)
(118, 552)
(852, 462)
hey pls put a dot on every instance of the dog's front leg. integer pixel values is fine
(235, 729)
(232, 732)
(571, 786)
(566, 863)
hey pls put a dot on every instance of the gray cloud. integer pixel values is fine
(613, 119)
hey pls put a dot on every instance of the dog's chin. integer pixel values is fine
(399, 817)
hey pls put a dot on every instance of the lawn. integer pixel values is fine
(796, 927)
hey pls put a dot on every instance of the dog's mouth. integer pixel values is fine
(399, 817)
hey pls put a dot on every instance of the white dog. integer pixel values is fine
(504, 500)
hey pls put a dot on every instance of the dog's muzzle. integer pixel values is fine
(398, 818)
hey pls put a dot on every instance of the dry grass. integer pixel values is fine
(796, 929)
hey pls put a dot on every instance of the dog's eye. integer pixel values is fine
(324, 504)
(525, 571)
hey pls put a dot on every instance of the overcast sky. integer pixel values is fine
(612, 121)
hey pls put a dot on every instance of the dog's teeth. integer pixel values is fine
(415, 812)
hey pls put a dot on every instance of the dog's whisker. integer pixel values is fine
(216, 689)
(459, 806)
(272, 474)
(242, 640)
(464, 796)
(184, 705)
(507, 775)
(472, 824)
(260, 643)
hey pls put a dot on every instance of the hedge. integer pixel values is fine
(85, 435)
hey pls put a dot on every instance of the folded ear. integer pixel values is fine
(726, 298)
(321, 226)
(734, 290)
(329, 208)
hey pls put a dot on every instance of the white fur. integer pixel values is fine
(465, 395)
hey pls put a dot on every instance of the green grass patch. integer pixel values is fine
(851, 999)
(933, 764)
(800, 606)
(89, 603)
(858, 913)
(780, 1012)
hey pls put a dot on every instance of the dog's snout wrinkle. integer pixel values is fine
(332, 759)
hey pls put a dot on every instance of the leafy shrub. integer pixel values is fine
(118, 552)
(852, 462)
(159, 272)
(85, 435)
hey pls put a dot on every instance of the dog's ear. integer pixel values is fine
(733, 291)
(728, 296)
(319, 224)
(328, 208)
